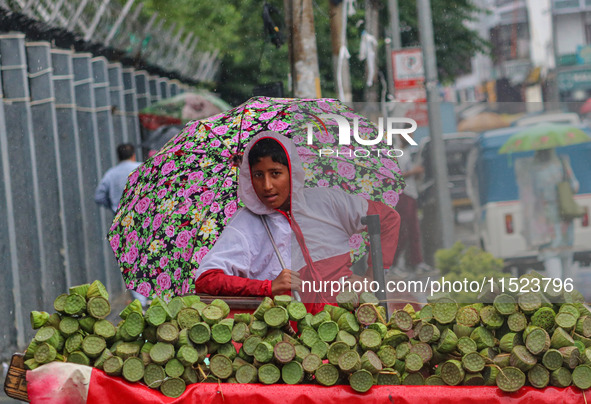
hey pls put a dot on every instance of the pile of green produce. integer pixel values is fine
(522, 339)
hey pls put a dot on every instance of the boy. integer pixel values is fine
(311, 228)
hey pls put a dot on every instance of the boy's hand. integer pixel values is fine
(286, 281)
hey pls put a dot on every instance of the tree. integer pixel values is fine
(455, 43)
(235, 27)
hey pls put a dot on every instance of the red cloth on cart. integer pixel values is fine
(104, 389)
(68, 383)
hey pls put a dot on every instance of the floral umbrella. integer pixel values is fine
(177, 203)
(544, 136)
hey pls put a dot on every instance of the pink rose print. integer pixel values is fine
(182, 240)
(355, 241)
(220, 130)
(142, 205)
(201, 254)
(226, 153)
(246, 124)
(218, 168)
(325, 137)
(183, 209)
(190, 159)
(228, 182)
(115, 242)
(132, 255)
(200, 175)
(230, 209)
(176, 255)
(133, 177)
(162, 193)
(364, 195)
(215, 207)
(278, 126)
(163, 262)
(391, 197)
(169, 231)
(347, 153)
(207, 197)
(144, 260)
(187, 255)
(157, 221)
(177, 274)
(168, 167)
(132, 238)
(346, 170)
(306, 155)
(185, 288)
(144, 289)
(211, 182)
(163, 281)
(298, 139)
(146, 223)
(384, 171)
(390, 164)
(322, 183)
(268, 115)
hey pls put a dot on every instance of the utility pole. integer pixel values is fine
(394, 43)
(340, 54)
(371, 67)
(444, 207)
(305, 75)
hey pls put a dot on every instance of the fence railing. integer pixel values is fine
(62, 114)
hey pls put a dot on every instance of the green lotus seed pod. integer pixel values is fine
(361, 381)
(452, 372)
(173, 387)
(521, 358)
(221, 366)
(510, 379)
(292, 373)
(561, 377)
(133, 370)
(582, 377)
(269, 374)
(538, 376)
(247, 373)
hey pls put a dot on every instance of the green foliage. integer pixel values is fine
(235, 27)
(455, 42)
(460, 263)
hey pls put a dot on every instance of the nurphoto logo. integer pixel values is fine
(389, 126)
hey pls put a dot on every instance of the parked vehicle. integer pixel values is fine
(569, 118)
(457, 147)
(494, 193)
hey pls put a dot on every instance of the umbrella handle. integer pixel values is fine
(296, 295)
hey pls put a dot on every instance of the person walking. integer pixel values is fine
(409, 241)
(543, 226)
(110, 188)
(109, 191)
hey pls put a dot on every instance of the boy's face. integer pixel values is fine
(271, 183)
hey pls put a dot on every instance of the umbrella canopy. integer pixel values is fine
(544, 136)
(586, 107)
(177, 203)
(483, 121)
(188, 106)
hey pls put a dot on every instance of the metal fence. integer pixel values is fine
(62, 114)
